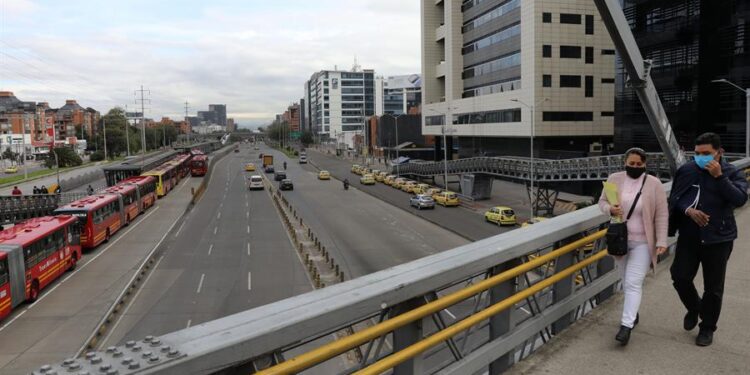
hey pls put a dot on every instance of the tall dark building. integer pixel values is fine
(221, 113)
(691, 43)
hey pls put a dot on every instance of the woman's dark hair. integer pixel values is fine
(636, 151)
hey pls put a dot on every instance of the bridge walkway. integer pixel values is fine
(658, 344)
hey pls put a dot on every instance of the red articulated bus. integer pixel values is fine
(146, 190)
(33, 254)
(99, 217)
(199, 165)
(130, 201)
(182, 163)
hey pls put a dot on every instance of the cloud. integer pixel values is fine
(255, 58)
(15, 8)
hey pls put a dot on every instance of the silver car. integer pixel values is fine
(421, 201)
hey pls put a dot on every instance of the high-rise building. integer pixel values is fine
(340, 102)
(485, 63)
(221, 113)
(690, 44)
(397, 94)
(292, 117)
(231, 126)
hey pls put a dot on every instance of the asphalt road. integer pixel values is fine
(463, 222)
(59, 322)
(364, 234)
(231, 253)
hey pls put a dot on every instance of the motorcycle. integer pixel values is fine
(346, 185)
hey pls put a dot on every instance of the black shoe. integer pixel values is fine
(705, 338)
(623, 336)
(690, 321)
(637, 318)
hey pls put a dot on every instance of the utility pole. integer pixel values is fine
(127, 130)
(143, 122)
(189, 128)
(104, 125)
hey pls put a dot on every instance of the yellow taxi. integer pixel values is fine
(446, 198)
(375, 173)
(421, 189)
(11, 169)
(355, 168)
(398, 182)
(324, 175)
(388, 180)
(532, 221)
(367, 179)
(364, 170)
(432, 191)
(501, 215)
(250, 167)
(380, 177)
(408, 186)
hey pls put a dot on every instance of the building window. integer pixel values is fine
(571, 19)
(546, 51)
(495, 38)
(570, 81)
(608, 114)
(589, 55)
(547, 17)
(570, 52)
(504, 62)
(608, 80)
(492, 117)
(493, 88)
(567, 116)
(608, 52)
(589, 25)
(491, 15)
(434, 120)
(547, 80)
(589, 86)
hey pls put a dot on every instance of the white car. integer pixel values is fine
(255, 182)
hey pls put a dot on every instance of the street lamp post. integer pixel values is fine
(104, 126)
(532, 196)
(57, 166)
(747, 112)
(445, 154)
(398, 162)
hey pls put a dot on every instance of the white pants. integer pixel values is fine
(633, 268)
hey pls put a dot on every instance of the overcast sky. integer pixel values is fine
(252, 55)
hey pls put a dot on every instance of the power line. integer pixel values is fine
(143, 120)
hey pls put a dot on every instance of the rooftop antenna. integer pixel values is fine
(356, 66)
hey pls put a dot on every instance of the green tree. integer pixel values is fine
(307, 138)
(116, 124)
(66, 155)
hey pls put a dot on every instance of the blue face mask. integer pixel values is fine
(703, 160)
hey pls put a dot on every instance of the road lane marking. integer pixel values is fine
(248, 248)
(210, 248)
(188, 323)
(249, 281)
(248, 229)
(200, 283)
(218, 216)
(247, 204)
(82, 266)
(179, 229)
(525, 310)
(247, 214)
(216, 229)
(137, 293)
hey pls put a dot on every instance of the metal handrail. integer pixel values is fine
(328, 351)
(443, 335)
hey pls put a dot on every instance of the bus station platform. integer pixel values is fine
(659, 344)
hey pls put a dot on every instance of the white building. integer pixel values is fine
(396, 94)
(339, 102)
(486, 62)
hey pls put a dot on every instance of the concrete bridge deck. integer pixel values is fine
(658, 345)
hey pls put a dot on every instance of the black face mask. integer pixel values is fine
(634, 172)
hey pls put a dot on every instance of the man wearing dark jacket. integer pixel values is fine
(702, 202)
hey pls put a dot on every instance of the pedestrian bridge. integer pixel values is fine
(537, 299)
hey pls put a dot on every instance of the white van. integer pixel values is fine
(303, 159)
(255, 182)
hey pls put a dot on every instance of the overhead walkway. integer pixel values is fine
(658, 344)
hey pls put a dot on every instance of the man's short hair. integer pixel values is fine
(712, 139)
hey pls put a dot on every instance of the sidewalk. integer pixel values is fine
(658, 345)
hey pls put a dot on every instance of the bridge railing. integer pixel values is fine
(482, 305)
(545, 170)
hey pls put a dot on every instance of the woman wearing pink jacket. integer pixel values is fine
(647, 231)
